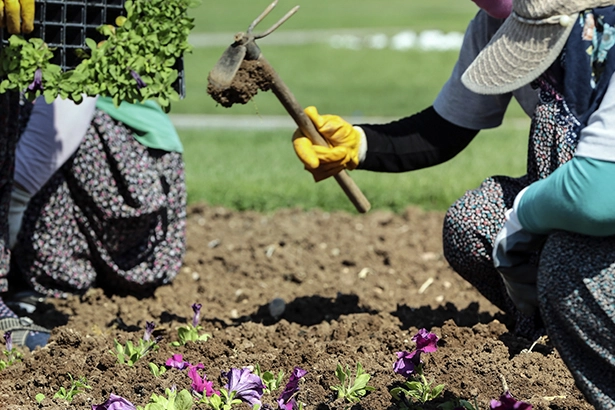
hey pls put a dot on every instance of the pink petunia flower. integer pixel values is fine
(177, 361)
(201, 384)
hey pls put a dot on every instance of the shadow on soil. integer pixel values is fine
(428, 317)
(311, 310)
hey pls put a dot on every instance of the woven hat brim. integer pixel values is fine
(517, 54)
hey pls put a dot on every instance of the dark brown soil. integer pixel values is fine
(357, 288)
(250, 78)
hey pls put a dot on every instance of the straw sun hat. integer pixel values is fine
(526, 44)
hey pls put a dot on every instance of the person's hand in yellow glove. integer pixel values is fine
(346, 143)
(17, 16)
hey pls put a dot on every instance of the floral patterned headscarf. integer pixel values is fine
(500, 9)
(600, 37)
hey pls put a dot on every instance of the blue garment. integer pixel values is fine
(580, 196)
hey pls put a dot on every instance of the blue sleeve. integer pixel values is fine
(578, 197)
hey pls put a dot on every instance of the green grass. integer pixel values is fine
(236, 15)
(258, 170)
(372, 82)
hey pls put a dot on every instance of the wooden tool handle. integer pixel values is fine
(295, 110)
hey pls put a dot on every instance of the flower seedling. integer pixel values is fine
(134, 63)
(242, 386)
(200, 384)
(11, 353)
(349, 389)
(288, 397)
(191, 333)
(130, 353)
(271, 382)
(39, 398)
(177, 361)
(409, 364)
(115, 402)
(508, 402)
(181, 400)
(76, 387)
(156, 370)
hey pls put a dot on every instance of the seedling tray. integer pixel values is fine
(65, 24)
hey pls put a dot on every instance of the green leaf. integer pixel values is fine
(90, 43)
(183, 401)
(435, 392)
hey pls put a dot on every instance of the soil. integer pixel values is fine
(251, 76)
(357, 288)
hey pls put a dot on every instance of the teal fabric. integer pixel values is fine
(152, 126)
(578, 197)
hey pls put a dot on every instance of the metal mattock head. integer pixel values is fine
(221, 76)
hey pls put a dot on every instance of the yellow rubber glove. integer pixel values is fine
(342, 153)
(17, 15)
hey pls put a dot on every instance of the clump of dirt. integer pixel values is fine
(251, 77)
(357, 288)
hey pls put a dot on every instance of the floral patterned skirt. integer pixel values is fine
(576, 273)
(113, 216)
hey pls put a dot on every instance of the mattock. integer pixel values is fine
(245, 48)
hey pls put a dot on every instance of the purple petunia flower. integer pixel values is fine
(508, 402)
(200, 384)
(407, 362)
(196, 307)
(287, 401)
(149, 328)
(115, 403)
(8, 339)
(426, 341)
(138, 79)
(248, 387)
(37, 84)
(177, 361)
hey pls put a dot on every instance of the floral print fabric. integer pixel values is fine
(114, 216)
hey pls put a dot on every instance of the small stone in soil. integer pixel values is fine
(277, 307)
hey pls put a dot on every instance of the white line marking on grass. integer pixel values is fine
(272, 122)
(353, 39)
(253, 122)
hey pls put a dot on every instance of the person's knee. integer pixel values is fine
(457, 232)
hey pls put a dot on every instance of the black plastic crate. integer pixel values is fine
(65, 24)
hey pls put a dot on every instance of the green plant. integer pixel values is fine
(418, 389)
(191, 332)
(349, 389)
(409, 364)
(271, 382)
(11, 353)
(181, 400)
(134, 63)
(39, 398)
(76, 387)
(223, 400)
(130, 353)
(156, 370)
